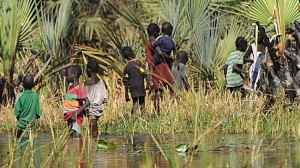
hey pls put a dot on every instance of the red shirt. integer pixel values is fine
(73, 101)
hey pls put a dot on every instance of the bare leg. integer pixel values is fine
(94, 128)
(73, 133)
(19, 133)
(172, 92)
(135, 105)
(142, 105)
(157, 102)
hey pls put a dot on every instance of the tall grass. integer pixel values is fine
(199, 113)
(191, 112)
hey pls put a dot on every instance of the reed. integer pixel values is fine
(191, 112)
(199, 113)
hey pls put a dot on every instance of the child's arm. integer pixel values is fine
(185, 79)
(82, 108)
(18, 108)
(125, 81)
(39, 109)
(247, 54)
(82, 96)
(156, 45)
(186, 84)
(238, 69)
(126, 92)
(225, 69)
(163, 54)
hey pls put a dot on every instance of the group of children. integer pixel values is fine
(163, 71)
(87, 99)
(81, 100)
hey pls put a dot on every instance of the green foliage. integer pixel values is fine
(103, 145)
(56, 25)
(106, 60)
(17, 30)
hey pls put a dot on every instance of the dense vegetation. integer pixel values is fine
(70, 32)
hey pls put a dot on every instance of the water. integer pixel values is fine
(217, 151)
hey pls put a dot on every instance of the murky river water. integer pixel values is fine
(218, 151)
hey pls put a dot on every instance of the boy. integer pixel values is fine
(134, 80)
(76, 101)
(234, 67)
(27, 108)
(97, 95)
(163, 45)
(179, 71)
(162, 75)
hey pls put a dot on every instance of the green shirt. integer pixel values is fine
(27, 108)
(234, 79)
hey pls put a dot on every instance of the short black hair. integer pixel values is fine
(28, 82)
(93, 65)
(182, 57)
(241, 43)
(76, 70)
(153, 29)
(127, 52)
(167, 28)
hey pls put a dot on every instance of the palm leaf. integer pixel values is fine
(175, 11)
(89, 25)
(17, 27)
(227, 45)
(128, 14)
(106, 61)
(55, 26)
(262, 11)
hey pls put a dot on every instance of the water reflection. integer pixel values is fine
(220, 151)
(23, 154)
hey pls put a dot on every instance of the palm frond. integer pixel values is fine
(205, 41)
(56, 25)
(106, 60)
(89, 25)
(233, 29)
(18, 22)
(175, 11)
(262, 11)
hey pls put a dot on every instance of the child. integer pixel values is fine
(163, 45)
(97, 95)
(27, 108)
(134, 80)
(234, 67)
(179, 71)
(162, 75)
(76, 101)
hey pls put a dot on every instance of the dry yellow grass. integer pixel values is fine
(191, 112)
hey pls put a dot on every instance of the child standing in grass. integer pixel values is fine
(27, 107)
(179, 71)
(76, 101)
(161, 72)
(97, 95)
(134, 80)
